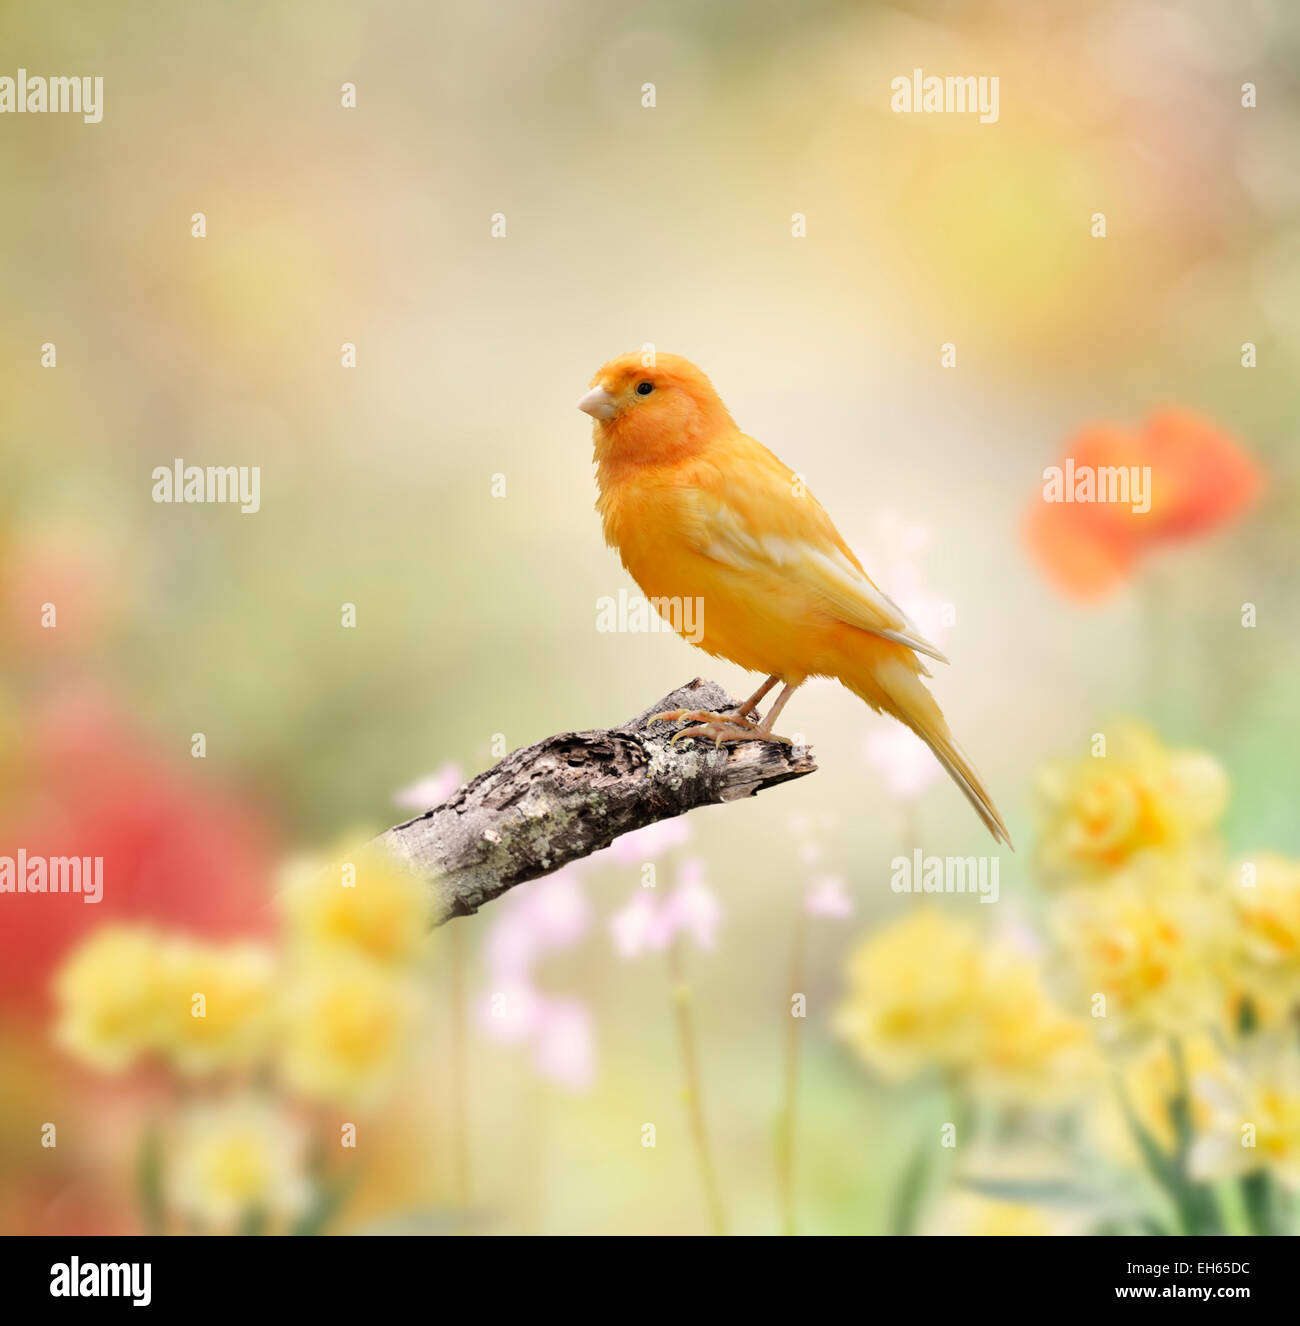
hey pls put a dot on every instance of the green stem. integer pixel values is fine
(692, 1090)
(1195, 1203)
(1259, 1199)
(785, 1145)
(459, 1069)
(1202, 1205)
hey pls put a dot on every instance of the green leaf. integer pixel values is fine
(1197, 1209)
(911, 1189)
(1125, 1226)
(1042, 1192)
(1161, 1164)
(1198, 1199)
(1259, 1198)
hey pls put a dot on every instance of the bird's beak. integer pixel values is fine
(598, 403)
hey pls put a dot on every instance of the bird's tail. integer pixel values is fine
(888, 678)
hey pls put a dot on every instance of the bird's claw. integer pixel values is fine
(703, 716)
(717, 727)
(728, 731)
(714, 724)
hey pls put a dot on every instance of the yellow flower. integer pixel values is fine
(1099, 813)
(364, 900)
(1029, 1048)
(1151, 949)
(1150, 1081)
(1254, 1116)
(346, 1023)
(236, 1157)
(1268, 926)
(973, 1215)
(911, 996)
(109, 992)
(928, 993)
(1151, 946)
(216, 1009)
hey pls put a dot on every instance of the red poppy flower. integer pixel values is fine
(1187, 479)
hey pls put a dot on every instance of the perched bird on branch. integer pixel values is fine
(699, 511)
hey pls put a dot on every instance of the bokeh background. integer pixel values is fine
(444, 487)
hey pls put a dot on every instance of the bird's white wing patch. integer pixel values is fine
(845, 591)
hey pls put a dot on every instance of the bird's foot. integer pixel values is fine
(717, 727)
(729, 721)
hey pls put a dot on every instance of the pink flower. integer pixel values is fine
(826, 897)
(647, 844)
(546, 917)
(511, 1013)
(647, 926)
(512, 945)
(906, 762)
(429, 791)
(692, 907)
(563, 1047)
(556, 911)
(639, 927)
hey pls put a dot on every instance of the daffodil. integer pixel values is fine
(1142, 953)
(1254, 1116)
(1265, 898)
(109, 994)
(1099, 813)
(362, 899)
(346, 1024)
(234, 1158)
(1158, 1077)
(1029, 1048)
(216, 1007)
(930, 993)
(911, 999)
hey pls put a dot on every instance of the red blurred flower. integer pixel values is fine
(175, 850)
(1200, 479)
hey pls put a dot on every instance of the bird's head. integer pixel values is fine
(646, 413)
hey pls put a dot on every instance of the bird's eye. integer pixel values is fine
(644, 388)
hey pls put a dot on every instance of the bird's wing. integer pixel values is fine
(753, 514)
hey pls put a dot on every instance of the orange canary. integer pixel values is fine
(699, 511)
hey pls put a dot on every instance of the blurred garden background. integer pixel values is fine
(500, 1074)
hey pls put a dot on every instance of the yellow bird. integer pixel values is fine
(699, 511)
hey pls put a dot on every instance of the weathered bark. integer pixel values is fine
(572, 794)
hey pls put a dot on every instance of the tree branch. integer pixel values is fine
(573, 794)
